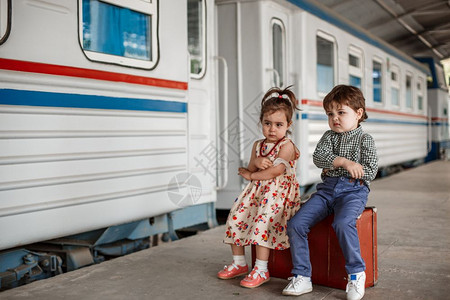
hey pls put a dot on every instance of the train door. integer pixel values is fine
(252, 37)
(202, 101)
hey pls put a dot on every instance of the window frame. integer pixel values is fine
(440, 76)
(395, 84)
(356, 71)
(148, 7)
(420, 84)
(330, 38)
(277, 22)
(203, 46)
(5, 20)
(382, 81)
(411, 77)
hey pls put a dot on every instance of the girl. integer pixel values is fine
(260, 213)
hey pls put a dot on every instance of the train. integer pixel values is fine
(122, 120)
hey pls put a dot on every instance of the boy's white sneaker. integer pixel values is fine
(299, 285)
(356, 286)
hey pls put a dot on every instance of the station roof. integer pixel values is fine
(416, 27)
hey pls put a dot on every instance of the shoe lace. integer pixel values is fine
(296, 280)
(353, 284)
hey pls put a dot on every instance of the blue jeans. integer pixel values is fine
(344, 197)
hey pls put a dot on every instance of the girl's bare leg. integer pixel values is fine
(262, 253)
(237, 250)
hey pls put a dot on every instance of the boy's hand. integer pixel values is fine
(262, 163)
(355, 169)
(245, 173)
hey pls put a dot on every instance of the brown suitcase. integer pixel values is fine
(327, 260)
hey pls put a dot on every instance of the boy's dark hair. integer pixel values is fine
(346, 95)
(277, 99)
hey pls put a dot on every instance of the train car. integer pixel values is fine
(308, 46)
(438, 103)
(107, 109)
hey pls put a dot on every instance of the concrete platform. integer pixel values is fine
(413, 255)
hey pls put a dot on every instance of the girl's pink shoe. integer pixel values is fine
(255, 278)
(232, 271)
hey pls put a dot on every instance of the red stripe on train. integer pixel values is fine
(439, 119)
(34, 67)
(383, 111)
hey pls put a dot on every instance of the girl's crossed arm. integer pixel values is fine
(287, 152)
(258, 163)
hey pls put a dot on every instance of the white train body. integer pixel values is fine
(86, 144)
(92, 140)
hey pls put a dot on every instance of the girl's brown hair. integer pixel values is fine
(346, 95)
(277, 99)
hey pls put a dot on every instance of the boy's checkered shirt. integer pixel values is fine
(354, 145)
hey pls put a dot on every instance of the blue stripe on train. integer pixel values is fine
(34, 98)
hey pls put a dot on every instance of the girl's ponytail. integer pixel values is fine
(279, 99)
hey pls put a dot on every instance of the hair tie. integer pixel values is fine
(285, 100)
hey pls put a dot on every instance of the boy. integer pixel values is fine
(349, 162)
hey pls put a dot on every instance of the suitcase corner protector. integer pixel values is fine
(373, 208)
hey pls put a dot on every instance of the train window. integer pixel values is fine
(355, 81)
(377, 80)
(395, 87)
(408, 94)
(393, 76)
(354, 61)
(5, 19)
(197, 36)
(325, 64)
(355, 67)
(278, 51)
(440, 76)
(120, 32)
(419, 94)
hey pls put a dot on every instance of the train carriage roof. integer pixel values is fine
(419, 28)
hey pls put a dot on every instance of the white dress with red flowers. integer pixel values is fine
(259, 215)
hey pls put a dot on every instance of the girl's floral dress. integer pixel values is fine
(259, 215)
